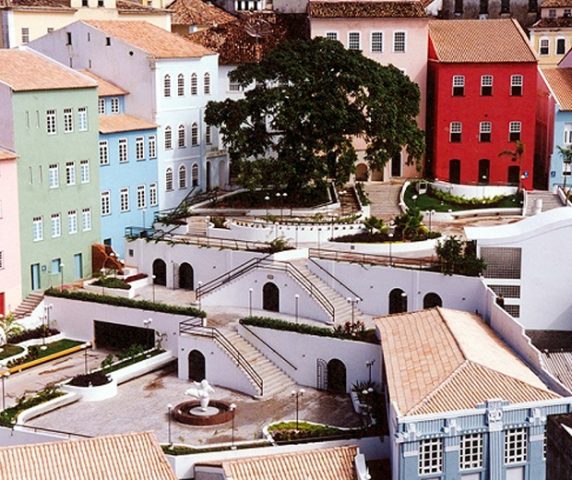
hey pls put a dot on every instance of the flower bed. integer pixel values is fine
(112, 282)
(39, 332)
(93, 379)
(35, 354)
(127, 361)
(187, 450)
(377, 237)
(10, 351)
(8, 417)
(285, 432)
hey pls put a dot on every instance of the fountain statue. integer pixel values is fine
(202, 392)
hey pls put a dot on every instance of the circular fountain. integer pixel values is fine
(202, 411)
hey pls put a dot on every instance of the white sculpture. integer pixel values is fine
(201, 391)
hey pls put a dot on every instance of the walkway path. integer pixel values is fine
(384, 198)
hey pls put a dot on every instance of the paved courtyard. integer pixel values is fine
(141, 405)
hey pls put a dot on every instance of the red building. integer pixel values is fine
(482, 102)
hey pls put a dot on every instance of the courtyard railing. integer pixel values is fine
(371, 259)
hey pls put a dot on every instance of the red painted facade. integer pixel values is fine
(472, 108)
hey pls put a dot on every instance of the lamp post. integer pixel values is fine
(153, 277)
(143, 212)
(369, 365)
(87, 345)
(169, 409)
(200, 293)
(353, 302)
(431, 213)
(403, 302)
(296, 299)
(281, 197)
(414, 198)
(297, 394)
(102, 279)
(5, 374)
(390, 234)
(46, 325)
(250, 290)
(62, 276)
(267, 199)
(232, 408)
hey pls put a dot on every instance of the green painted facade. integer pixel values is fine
(39, 150)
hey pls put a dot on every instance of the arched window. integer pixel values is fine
(194, 84)
(168, 138)
(207, 85)
(181, 136)
(169, 179)
(181, 85)
(397, 301)
(167, 86)
(194, 134)
(182, 177)
(208, 135)
(195, 175)
(432, 300)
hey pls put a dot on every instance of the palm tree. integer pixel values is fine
(566, 154)
(515, 154)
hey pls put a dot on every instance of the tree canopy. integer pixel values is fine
(305, 105)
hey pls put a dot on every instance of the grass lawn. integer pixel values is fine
(10, 350)
(58, 346)
(428, 202)
(307, 198)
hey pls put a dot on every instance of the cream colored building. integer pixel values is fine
(22, 21)
(551, 36)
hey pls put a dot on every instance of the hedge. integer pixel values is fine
(83, 296)
(275, 324)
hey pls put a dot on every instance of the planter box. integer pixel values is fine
(40, 341)
(116, 292)
(4, 362)
(94, 394)
(46, 407)
(141, 368)
(39, 361)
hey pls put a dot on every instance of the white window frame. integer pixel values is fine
(487, 81)
(53, 176)
(25, 35)
(182, 177)
(152, 140)
(115, 105)
(544, 44)
(430, 456)
(72, 222)
(180, 85)
(70, 173)
(376, 42)
(86, 219)
(233, 86)
(37, 229)
(194, 84)
(103, 152)
(68, 120)
(124, 200)
(567, 134)
(51, 122)
(123, 151)
(194, 134)
(404, 41)
(515, 446)
(82, 125)
(208, 135)
(56, 225)
(484, 128)
(101, 106)
(153, 198)
(458, 81)
(168, 138)
(167, 86)
(169, 179)
(139, 148)
(455, 127)
(105, 203)
(350, 40)
(207, 83)
(332, 36)
(517, 81)
(141, 197)
(471, 452)
(194, 175)
(181, 136)
(514, 126)
(84, 171)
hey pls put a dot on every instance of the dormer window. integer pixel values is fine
(115, 105)
(552, 13)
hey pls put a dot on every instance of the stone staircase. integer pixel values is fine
(384, 198)
(197, 226)
(28, 305)
(550, 201)
(275, 381)
(348, 201)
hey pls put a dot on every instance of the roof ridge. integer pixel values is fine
(524, 37)
(444, 320)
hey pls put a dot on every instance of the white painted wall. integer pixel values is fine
(6, 118)
(303, 351)
(473, 191)
(11, 437)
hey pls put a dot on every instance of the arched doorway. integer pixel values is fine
(160, 272)
(514, 175)
(455, 171)
(361, 172)
(186, 277)
(432, 300)
(397, 301)
(270, 297)
(197, 371)
(336, 376)
(484, 171)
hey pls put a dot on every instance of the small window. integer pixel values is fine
(471, 455)
(532, 6)
(233, 85)
(68, 120)
(560, 46)
(568, 133)
(181, 85)
(101, 106)
(51, 122)
(332, 35)
(458, 85)
(68, 38)
(182, 177)
(56, 223)
(124, 200)
(544, 48)
(167, 86)
(82, 119)
(208, 135)
(115, 105)
(168, 138)
(141, 200)
(53, 176)
(105, 203)
(38, 229)
(399, 42)
(107, 40)
(458, 7)
(70, 173)
(515, 445)
(25, 35)
(485, 130)
(84, 171)
(84, 3)
(153, 195)
(195, 175)
(207, 84)
(514, 131)
(123, 158)
(354, 41)
(516, 85)
(86, 219)
(169, 179)
(455, 131)
(484, 7)
(486, 85)
(181, 137)
(377, 42)
(194, 84)
(430, 456)
(72, 222)
(152, 146)
(103, 152)
(567, 12)
(139, 148)
(552, 13)
(194, 134)
(505, 6)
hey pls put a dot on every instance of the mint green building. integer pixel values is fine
(49, 118)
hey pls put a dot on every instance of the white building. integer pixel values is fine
(170, 81)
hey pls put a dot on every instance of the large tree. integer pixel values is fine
(306, 104)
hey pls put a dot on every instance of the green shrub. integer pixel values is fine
(363, 198)
(219, 222)
(457, 256)
(287, 431)
(8, 416)
(112, 282)
(93, 379)
(83, 296)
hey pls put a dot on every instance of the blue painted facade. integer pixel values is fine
(489, 424)
(562, 122)
(131, 184)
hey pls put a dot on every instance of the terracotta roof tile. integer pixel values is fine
(7, 154)
(123, 123)
(26, 70)
(438, 354)
(105, 88)
(463, 41)
(153, 40)
(556, 4)
(121, 5)
(560, 81)
(131, 456)
(319, 464)
(252, 36)
(562, 22)
(365, 8)
(198, 12)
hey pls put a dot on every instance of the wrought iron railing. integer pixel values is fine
(371, 259)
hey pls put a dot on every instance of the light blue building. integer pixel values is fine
(129, 195)
(461, 405)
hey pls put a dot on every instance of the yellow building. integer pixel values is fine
(22, 21)
(551, 36)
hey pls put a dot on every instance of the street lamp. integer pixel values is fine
(431, 213)
(87, 345)
(369, 365)
(297, 299)
(143, 212)
(232, 408)
(169, 409)
(5, 374)
(62, 276)
(46, 325)
(281, 197)
(267, 199)
(390, 234)
(200, 293)
(297, 393)
(353, 302)
(414, 198)
(102, 280)
(153, 277)
(250, 290)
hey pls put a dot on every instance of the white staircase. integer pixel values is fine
(197, 226)
(549, 201)
(28, 305)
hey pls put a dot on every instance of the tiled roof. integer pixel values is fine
(252, 36)
(104, 87)
(133, 456)
(127, 6)
(441, 360)
(123, 123)
(365, 8)
(562, 22)
(7, 154)
(480, 41)
(556, 4)
(26, 70)
(153, 40)
(319, 464)
(560, 81)
(198, 12)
